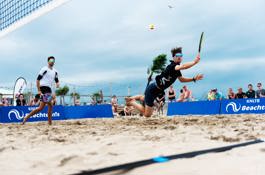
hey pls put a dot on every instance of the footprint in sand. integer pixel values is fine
(92, 153)
(59, 140)
(69, 159)
(5, 148)
(33, 137)
(262, 150)
(2, 149)
(113, 154)
(151, 138)
(170, 127)
(225, 138)
(250, 137)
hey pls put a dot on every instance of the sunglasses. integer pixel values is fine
(51, 61)
(179, 55)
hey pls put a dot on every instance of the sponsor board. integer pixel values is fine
(17, 114)
(194, 108)
(241, 106)
(91, 111)
(238, 106)
(12, 114)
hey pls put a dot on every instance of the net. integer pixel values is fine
(15, 13)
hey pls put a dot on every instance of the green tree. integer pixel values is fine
(159, 65)
(62, 92)
(75, 96)
(96, 97)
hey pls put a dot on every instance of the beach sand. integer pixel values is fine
(68, 147)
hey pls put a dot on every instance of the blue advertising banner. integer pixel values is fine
(12, 114)
(243, 106)
(194, 108)
(93, 111)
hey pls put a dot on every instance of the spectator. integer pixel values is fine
(77, 102)
(217, 94)
(114, 103)
(260, 92)
(100, 101)
(35, 101)
(211, 95)
(240, 94)
(250, 93)
(128, 110)
(171, 94)
(21, 101)
(181, 96)
(160, 101)
(1, 104)
(187, 94)
(231, 94)
(5, 102)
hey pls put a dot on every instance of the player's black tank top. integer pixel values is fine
(168, 76)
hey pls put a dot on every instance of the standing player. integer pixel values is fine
(164, 80)
(47, 76)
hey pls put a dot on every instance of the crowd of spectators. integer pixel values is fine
(185, 94)
(21, 101)
(214, 94)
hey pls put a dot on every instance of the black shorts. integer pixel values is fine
(150, 94)
(46, 94)
(45, 89)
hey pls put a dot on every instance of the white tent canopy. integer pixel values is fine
(6, 93)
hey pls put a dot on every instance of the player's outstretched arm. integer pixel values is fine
(188, 64)
(195, 78)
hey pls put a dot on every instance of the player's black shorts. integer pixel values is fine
(151, 93)
(46, 94)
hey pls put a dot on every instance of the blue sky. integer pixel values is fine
(108, 41)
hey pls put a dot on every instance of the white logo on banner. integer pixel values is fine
(234, 106)
(16, 113)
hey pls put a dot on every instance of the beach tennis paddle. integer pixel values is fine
(201, 41)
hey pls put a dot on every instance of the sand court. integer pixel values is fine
(69, 147)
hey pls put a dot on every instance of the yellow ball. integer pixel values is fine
(151, 26)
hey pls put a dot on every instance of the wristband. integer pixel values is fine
(194, 80)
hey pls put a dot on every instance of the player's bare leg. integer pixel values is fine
(50, 113)
(35, 111)
(145, 110)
